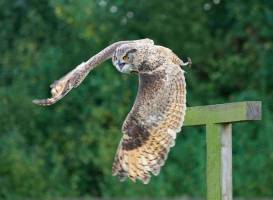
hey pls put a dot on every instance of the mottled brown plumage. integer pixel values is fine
(150, 128)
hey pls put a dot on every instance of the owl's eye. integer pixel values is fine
(125, 57)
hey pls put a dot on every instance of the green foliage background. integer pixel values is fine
(67, 149)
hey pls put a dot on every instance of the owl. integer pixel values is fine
(157, 115)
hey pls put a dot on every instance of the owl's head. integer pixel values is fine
(128, 57)
(123, 59)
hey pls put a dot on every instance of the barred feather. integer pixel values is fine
(146, 143)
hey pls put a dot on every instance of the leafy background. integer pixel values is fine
(67, 150)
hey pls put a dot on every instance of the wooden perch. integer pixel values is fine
(218, 120)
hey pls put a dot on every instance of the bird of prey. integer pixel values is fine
(150, 128)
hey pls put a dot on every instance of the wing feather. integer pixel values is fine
(151, 126)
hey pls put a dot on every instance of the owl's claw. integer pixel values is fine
(187, 63)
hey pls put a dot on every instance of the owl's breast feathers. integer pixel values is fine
(150, 128)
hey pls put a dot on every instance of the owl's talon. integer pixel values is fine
(187, 63)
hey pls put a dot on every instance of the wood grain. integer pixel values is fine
(223, 113)
(226, 161)
(213, 140)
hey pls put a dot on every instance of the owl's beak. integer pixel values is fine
(121, 65)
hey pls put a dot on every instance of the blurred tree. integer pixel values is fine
(68, 149)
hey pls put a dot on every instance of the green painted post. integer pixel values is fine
(213, 140)
(218, 120)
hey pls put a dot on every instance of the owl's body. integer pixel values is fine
(150, 128)
(157, 115)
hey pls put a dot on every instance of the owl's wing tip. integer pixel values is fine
(40, 102)
(123, 176)
(44, 102)
(146, 180)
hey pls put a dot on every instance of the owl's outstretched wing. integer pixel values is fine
(62, 86)
(72, 79)
(150, 128)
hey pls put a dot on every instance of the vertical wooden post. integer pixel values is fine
(219, 161)
(226, 155)
(218, 119)
(213, 140)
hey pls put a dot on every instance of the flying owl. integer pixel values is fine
(150, 128)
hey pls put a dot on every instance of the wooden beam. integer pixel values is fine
(218, 120)
(223, 113)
